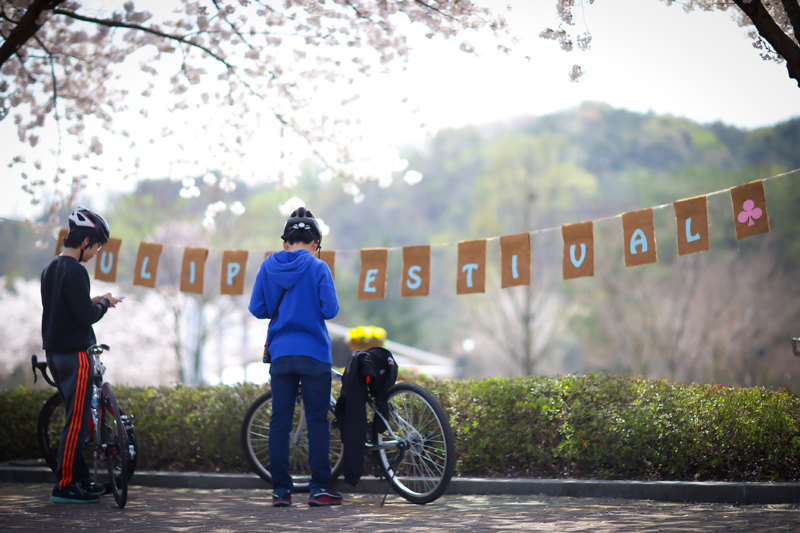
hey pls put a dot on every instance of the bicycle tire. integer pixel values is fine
(113, 441)
(48, 434)
(255, 443)
(428, 463)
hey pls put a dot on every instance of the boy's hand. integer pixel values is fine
(112, 301)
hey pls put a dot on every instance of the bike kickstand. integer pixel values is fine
(393, 467)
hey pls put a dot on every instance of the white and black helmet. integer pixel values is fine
(302, 220)
(86, 219)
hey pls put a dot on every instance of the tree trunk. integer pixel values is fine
(26, 28)
(773, 34)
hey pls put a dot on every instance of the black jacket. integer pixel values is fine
(371, 372)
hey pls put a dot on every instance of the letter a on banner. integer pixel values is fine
(471, 277)
(639, 234)
(750, 209)
(515, 260)
(692, 217)
(578, 258)
(147, 264)
(372, 281)
(231, 280)
(193, 269)
(62, 234)
(329, 256)
(105, 268)
(416, 279)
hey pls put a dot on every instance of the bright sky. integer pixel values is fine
(645, 57)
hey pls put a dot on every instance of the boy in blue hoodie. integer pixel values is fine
(297, 290)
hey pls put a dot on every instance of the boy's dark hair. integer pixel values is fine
(301, 236)
(77, 236)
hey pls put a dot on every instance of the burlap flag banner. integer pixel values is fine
(639, 235)
(193, 269)
(147, 264)
(515, 260)
(750, 209)
(372, 281)
(471, 277)
(62, 234)
(234, 263)
(416, 279)
(267, 254)
(578, 256)
(106, 261)
(329, 256)
(692, 217)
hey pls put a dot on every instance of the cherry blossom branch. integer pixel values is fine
(769, 30)
(792, 8)
(26, 28)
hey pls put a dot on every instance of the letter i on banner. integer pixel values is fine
(193, 269)
(639, 235)
(515, 260)
(578, 259)
(692, 217)
(329, 256)
(372, 281)
(105, 268)
(750, 209)
(147, 264)
(234, 263)
(62, 234)
(471, 277)
(416, 279)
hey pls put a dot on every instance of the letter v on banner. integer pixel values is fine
(372, 281)
(639, 235)
(692, 217)
(578, 257)
(105, 268)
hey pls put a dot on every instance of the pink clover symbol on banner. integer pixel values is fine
(750, 212)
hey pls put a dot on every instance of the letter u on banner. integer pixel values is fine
(234, 263)
(578, 258)
(372, 281)
(515, 260)
(692, 217)
(471, 277)
(329, 256)
(147, 264)
(193, 269)
(105, 268)
(416, 279)
(639, 235)
(750, 209)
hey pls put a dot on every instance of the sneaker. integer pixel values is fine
(281, 498)
(73, 493)
(320, 497)
(88, 485)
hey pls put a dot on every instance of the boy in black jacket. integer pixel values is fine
(69, 312)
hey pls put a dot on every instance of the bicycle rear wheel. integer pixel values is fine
(113, 441)
(255, 443)
(429, 460)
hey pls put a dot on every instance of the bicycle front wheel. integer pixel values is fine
(423, 471)
(113, 443)
(255, 443)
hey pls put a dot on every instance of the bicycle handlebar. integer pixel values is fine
(95, 349)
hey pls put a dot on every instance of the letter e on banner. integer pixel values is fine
(329, 256)
(578, 257)
(639, 234)
(147, 264)
(106, 261)
(62, 234)
(372, 281)
(234, 263)
(692, 217)
(515, 260)
(193, 269)
(750, 209)
(471, 277)
(416, 279)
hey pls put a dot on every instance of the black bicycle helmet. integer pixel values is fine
(302, 220)
(86, 220)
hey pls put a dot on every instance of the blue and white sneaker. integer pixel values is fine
(322, 497)
(281, 498)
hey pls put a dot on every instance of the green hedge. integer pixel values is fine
(591, 426)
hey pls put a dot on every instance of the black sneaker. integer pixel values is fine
(321, 497)
(88, 485)
(281, 498)
(73, 493)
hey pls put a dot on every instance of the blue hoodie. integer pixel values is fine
(299, 328)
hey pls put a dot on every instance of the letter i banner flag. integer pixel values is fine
(372, 281)
(416, 279)
(578, 259)
(692, 217)
(193, 269)
(105, 268)
(639, 235)
(231, 280)
(471, 277)
(147, 264)
(329, 256)
(515, 260)
(750, 209)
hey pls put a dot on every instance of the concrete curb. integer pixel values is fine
(668, 491)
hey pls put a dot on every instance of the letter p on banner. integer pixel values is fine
(372, 281)
(578, 259)
(234, 263)
(105, 268)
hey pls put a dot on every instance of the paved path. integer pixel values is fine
(26, 507)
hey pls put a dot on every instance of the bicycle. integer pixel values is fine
(416, 452)
(115, 442)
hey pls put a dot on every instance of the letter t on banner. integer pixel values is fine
(193, 269)
(750, 209)
(105, 268)
(639, 235)
(416, 279)
(578, 259)
(692, 217)
(471, 277)
(515, 260)
(231, 280)
(147, 264)
(372, 281)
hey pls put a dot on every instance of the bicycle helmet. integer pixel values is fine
(86, 220)
(302, 220)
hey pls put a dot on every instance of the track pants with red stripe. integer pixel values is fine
(74, 375)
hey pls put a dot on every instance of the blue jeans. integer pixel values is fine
(287, 373)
